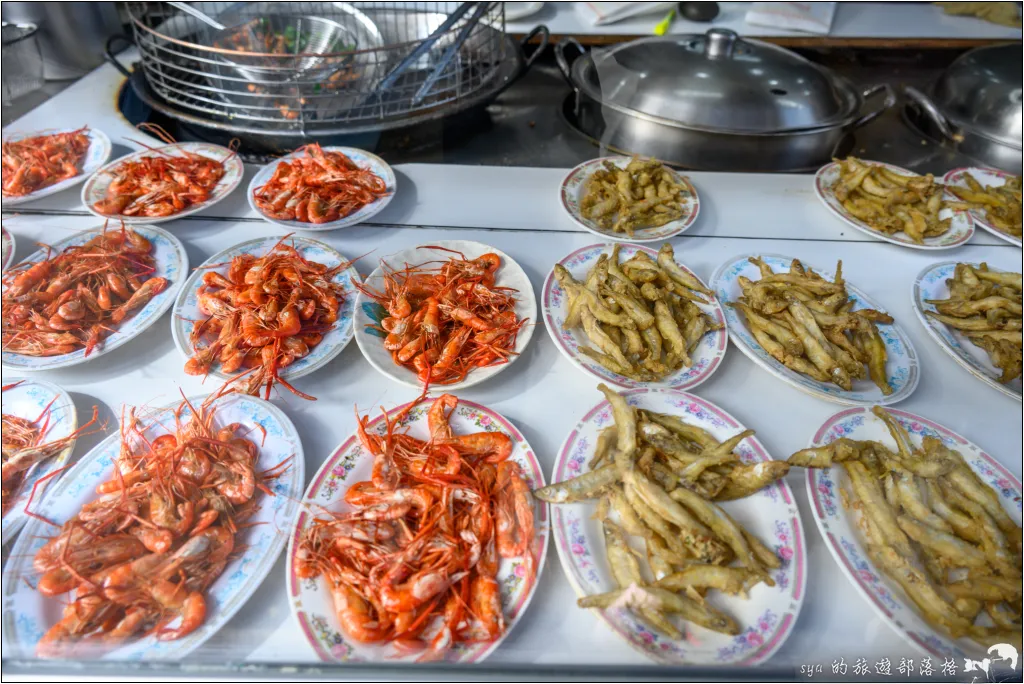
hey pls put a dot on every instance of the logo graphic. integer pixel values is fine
(1000, 652)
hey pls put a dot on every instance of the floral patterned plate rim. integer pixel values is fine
(904, 368)
(931, 284)
(310, 600)
(571, 190)
(186, 306)
(95, 157)
(362, 158)
(985, 176)
(369, 313)
(28, 398)
(843, 539)
(171, 263)
(767, 617)
(707, 357)
(9, 247)
(96, 189)
(27, 614)
(960, 230)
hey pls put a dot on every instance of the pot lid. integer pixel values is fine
(717, 81)
(981, 91)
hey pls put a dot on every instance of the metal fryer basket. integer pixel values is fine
(193, 68)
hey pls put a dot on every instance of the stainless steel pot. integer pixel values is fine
(715, 101)
(72, 35)
(976, 106)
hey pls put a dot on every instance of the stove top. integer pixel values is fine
(531, 124)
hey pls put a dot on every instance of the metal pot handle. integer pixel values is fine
(108, 53)
(563, 63)
(930, 110)
(545, 37)
(889, 101)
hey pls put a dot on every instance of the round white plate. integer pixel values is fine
(571, 192)
(95, 157)
(362, 159)
(707, 357)
(8, 246)
(28, 398)
(370, 313)
(28, 614)
(186, 306)
(515, 11)
(310, 599)
(931, 284)
(96, 189)
(960, 230)
(902, 365)
(993, 177)
(171, 263)
(844, 539)
(767, 617)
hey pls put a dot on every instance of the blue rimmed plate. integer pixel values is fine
(171, 263)
(186, 307)
(27, 614)
(29, 398)
(95, 157)
(931, 284)
(902, 365)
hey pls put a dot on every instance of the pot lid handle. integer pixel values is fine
(719, 43)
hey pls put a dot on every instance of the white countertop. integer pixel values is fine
(516, 210)
(906, 20)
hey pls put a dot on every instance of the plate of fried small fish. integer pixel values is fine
(893, 204)
(974, 313)
(815, 331)
(676, 527)
(925, 524)
(629, 199)
(633, 316)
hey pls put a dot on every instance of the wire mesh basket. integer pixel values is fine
(307, 65)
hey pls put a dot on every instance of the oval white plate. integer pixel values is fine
(902, 365)
(707, 357)
(96, 189)
(28, 614)
(839, 529)
(362, 158)
(993, 177)
(95, 157)
(571, 192)
(186, 306)
(8, 246)
(931, 284)
(171, 263)
(28, 399)
(310, 599)
(767, 617)
(515, 11)
(960, 230)
(369, 312)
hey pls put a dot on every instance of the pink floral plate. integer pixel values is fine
(844, 539)
(571, 192)
(706, 358)
(310, 599)
(767, 616)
